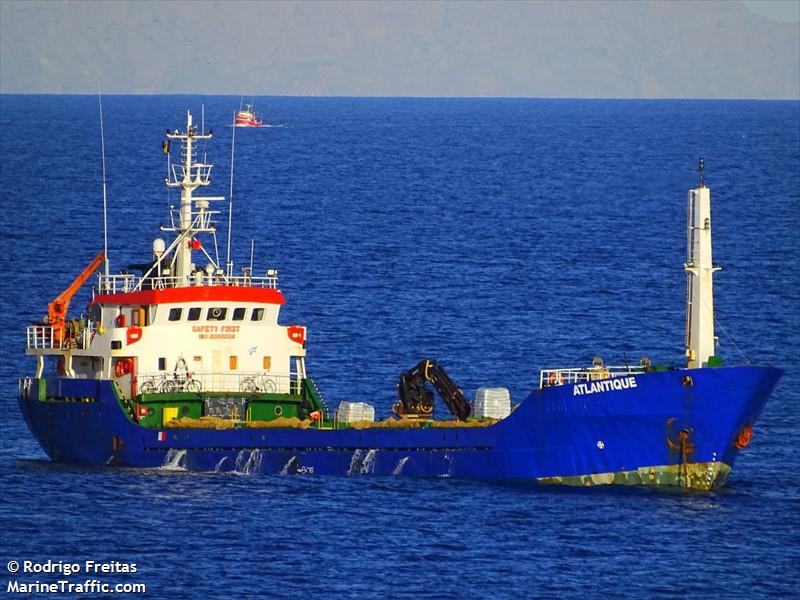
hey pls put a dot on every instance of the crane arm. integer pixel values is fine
(415, 399)
(448, 390)
(57, 309)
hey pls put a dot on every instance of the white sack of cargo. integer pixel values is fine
(350, 412)
(492, 403)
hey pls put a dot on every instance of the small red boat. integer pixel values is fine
(247, 117)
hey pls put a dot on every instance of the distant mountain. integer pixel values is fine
(539, 49)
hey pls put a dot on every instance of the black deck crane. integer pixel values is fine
(416, 400)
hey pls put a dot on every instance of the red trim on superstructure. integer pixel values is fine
(297, 333)
(134, 334)
(195, 294)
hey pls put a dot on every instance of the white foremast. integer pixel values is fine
(700, 339)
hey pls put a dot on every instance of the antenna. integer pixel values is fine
(105, 204)
(228, 262)
(252, 248)
(165, 148)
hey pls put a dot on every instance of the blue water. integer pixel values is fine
(496, 236)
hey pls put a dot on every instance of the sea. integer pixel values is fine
(495, 236)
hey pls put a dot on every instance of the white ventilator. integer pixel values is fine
(700, 340)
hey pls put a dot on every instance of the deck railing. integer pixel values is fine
(551, 377)
(40, 337)
(127, 282)
(45, 337)
(192, 381)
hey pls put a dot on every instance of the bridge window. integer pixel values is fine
(238, 314)
(258, 314)
(194, 314)
(217, 313)
(175, 314)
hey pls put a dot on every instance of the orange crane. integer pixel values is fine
(57, 309)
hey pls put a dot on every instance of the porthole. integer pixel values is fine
(278, 410)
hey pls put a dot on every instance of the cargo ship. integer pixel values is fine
(185, 364)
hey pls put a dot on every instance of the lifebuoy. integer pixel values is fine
(743, 439)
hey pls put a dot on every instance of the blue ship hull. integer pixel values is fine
(681, 427)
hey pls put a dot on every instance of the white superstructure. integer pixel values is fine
(185, 324)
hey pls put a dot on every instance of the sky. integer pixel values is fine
(566, 49)
(787, 11)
